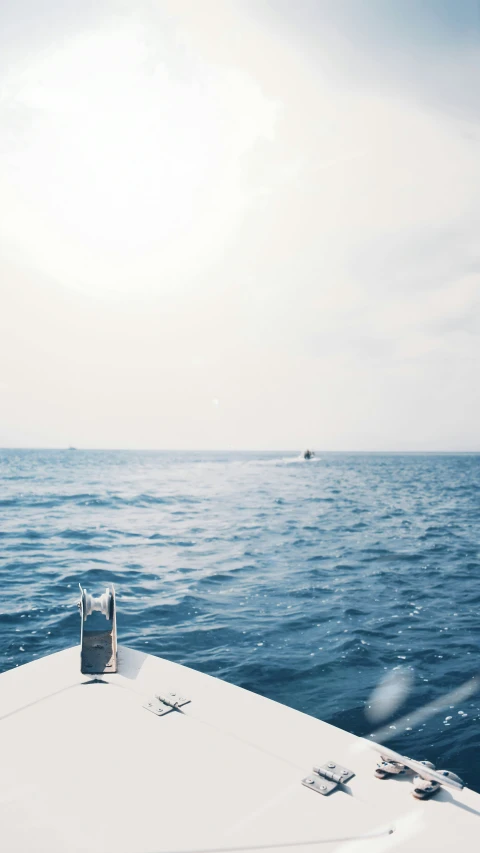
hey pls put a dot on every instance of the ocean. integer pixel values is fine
(307, 582)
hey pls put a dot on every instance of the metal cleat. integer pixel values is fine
(427, 781)
(423, 789)
(387, 767)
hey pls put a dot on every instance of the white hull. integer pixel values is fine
(85, 767)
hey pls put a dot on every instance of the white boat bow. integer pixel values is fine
(159, 757)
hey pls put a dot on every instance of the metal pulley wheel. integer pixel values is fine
(103, 604)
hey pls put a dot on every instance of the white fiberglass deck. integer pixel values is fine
(85, 767)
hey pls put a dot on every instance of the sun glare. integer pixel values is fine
(132, 159)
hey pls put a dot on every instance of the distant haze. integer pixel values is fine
(240, 224)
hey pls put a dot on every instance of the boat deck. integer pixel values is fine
(86, 767)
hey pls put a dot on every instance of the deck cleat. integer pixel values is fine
(426, 780)
(387, 767)
(423, 789)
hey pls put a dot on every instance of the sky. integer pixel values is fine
(240, 224)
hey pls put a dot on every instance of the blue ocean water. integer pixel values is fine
(306, 582)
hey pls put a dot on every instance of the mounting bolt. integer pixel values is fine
(331, 764)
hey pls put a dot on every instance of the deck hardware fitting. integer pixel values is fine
(328, 777)
(162, 704)
(98, 640)
(427, 780)
(387, 767)
(423, 789)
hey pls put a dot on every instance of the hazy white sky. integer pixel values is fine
(240, 224)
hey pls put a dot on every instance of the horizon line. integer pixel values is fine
(225, 450)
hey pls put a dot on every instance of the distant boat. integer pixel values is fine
(72, 448)
(308, 454)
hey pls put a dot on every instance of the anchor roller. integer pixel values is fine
(98, 640)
